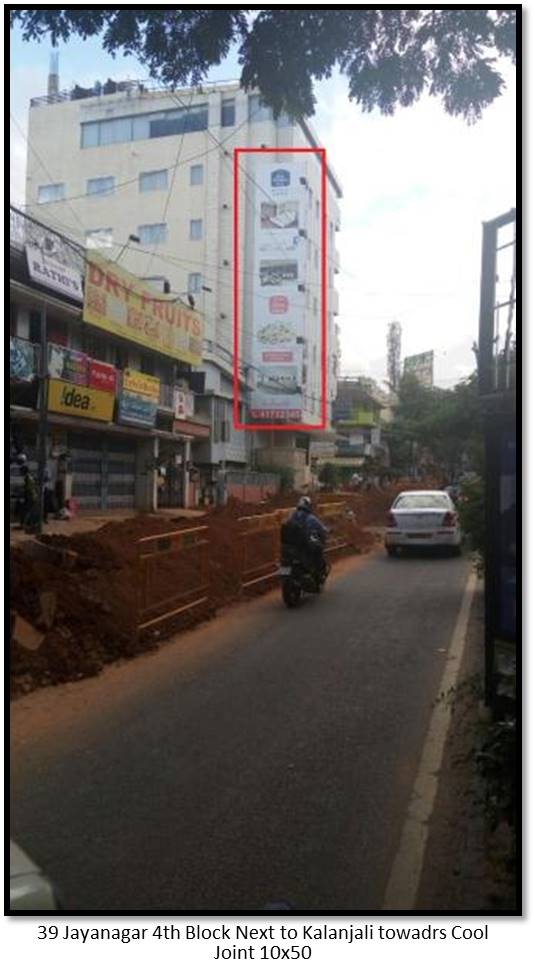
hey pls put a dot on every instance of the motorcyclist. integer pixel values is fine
(313, 532)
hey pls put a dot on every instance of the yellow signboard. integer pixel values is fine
(70, 398)
(121, 304)
(142, 383)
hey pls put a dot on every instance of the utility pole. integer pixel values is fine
(42, 430)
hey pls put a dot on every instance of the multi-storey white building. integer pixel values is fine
(147, 176)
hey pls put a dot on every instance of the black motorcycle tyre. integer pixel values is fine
(291, 593)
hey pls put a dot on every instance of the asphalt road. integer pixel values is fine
(267, 755)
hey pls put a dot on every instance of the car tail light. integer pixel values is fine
(449, 519)
(390, 520)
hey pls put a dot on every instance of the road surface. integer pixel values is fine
(267, 755)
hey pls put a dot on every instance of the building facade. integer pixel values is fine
(146, 177)
(121, 418)
(360, 409)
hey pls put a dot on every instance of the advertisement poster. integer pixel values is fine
(184, 404)
(67, 364)
(21, 359)
(279, 313)
(122, 304)
(79, 401)
(102, 376)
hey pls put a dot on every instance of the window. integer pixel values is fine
(100, 186)
(194, 282)
(195, 230)
(258, 112)
(152, 233)
(102, 237)
(115, 130)
(51, 191)
(90, 134)
(153, 180)
(228, 112)
(177, 121)
(196, 175)
(221, 427)
(147, 363)
(149, 125)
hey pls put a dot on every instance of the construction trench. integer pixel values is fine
(82, 601)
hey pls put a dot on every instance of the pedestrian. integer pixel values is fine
(30, 502)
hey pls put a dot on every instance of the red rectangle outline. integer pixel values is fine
(238, 425)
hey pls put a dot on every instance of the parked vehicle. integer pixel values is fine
(424, 518)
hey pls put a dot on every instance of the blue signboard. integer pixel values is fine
(136, 409)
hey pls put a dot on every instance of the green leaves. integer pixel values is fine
(390, 56)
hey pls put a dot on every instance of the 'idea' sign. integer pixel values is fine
(70, 398)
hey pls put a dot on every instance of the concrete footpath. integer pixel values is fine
(461, 873)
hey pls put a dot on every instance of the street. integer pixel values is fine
(267, 755)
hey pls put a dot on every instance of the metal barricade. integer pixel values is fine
(173, 575)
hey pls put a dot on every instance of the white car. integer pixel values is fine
(426, 518)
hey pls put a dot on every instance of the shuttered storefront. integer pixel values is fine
(103, 471)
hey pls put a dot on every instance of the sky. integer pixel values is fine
(416, 188)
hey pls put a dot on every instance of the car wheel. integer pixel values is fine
(456, 550)
(391, 550)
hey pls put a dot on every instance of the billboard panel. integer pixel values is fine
(278, 311)
(421, 367)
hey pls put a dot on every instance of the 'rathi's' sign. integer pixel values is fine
(46, 271)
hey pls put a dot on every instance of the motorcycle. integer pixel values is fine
(299, 573)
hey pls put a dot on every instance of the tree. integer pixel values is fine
(446, 423)
(390, 56)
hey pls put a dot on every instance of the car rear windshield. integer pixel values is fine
(422, 502)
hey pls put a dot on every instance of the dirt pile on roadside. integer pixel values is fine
(96, 597)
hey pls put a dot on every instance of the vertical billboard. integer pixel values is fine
(421, 367)
(278, 306)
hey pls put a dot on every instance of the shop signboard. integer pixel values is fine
(184, 404)
(123, 305)
(142, 383)
(140, 395)
(44, 270)
(21, 359)
(67, 364)
(279, 306)
(80, 401)
(102, 376)
(136, 409)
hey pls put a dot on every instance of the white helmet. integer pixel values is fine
(305, 503)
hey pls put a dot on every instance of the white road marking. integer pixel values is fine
(402, 887)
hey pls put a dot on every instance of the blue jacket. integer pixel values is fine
(310, 524)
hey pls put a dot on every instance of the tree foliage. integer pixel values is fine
(390, 56)
(445, 423)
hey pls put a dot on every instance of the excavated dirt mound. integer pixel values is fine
(96, 598)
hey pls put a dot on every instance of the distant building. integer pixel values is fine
(358, 415)
(129, 159)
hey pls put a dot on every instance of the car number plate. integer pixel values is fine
(285, 571)
(419, 535)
